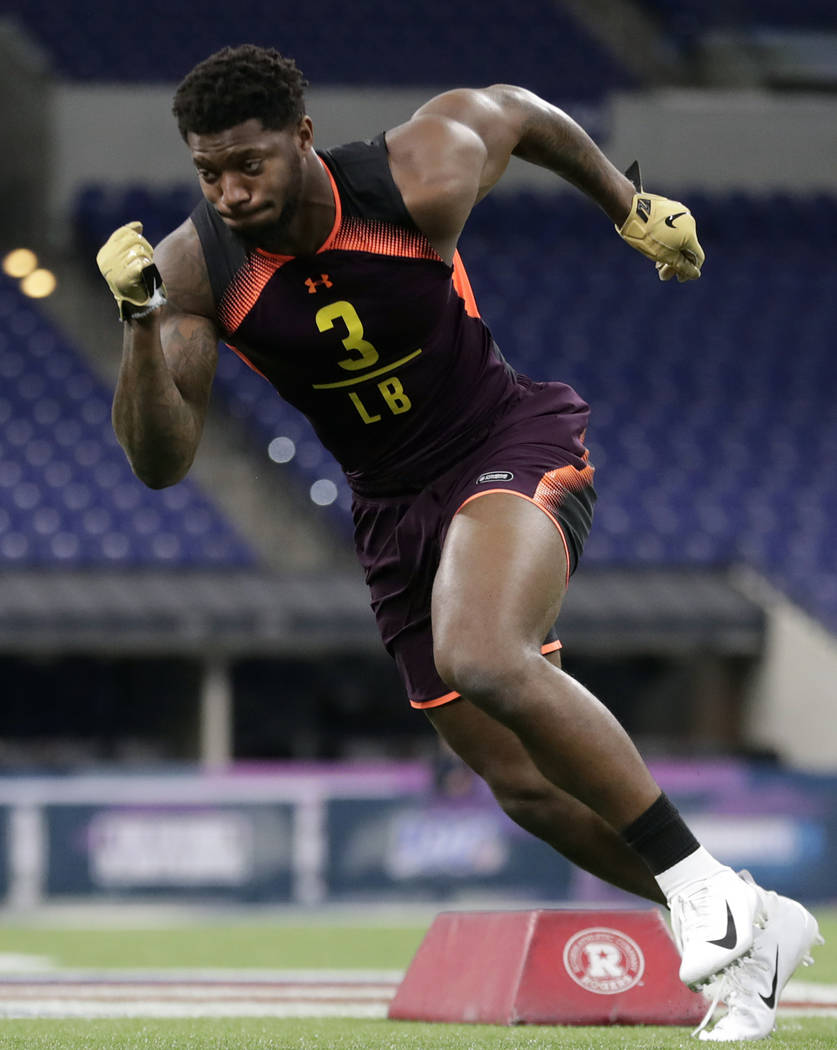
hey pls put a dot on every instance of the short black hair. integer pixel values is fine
(237, 84)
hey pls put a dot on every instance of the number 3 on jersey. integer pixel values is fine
(364, 356)
(353, 341)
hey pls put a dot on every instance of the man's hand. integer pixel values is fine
(664, 230)
(126, 261)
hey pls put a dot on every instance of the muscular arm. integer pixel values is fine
(168, 364)
(456, 147)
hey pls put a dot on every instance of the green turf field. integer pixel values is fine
(318, 944)
(336, 1034)
(293, 945)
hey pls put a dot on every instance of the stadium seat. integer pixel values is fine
(67, 494)
(531, 42)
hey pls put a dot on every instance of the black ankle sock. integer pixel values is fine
(660, 836)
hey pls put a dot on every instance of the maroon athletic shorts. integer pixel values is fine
(535, 454)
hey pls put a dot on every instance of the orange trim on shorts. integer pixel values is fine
(446, 699)
(564, 479)
(547, 647)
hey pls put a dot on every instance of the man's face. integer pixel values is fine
(252, 176)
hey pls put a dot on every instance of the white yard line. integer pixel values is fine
(256, 993)
(809, 992)
(199, 993)
(59, 1008)
(17, 962)
(207, 974)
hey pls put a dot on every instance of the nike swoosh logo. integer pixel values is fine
(770, 1000)
(730, 938)
(669, 220)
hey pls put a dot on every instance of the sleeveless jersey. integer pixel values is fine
(374, 337)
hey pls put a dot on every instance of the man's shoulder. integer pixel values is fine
(436, 162)
(439, 134)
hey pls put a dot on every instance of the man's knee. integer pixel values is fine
(488, 671)
(476, 668)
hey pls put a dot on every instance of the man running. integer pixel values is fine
(335, 274)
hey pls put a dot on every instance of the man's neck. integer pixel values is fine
(314, 220)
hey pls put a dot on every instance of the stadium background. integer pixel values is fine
(193, 700)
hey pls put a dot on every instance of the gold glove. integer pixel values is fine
(126, 261)
(664, 231)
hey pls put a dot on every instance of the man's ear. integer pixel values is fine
(305, 133)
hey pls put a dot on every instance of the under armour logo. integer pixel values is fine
(313, 284)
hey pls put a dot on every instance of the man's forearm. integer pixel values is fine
(552, 139)
(154, 425)
(661, 229)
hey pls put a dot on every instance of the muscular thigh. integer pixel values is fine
(502, 574)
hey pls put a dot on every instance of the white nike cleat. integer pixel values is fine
(714, 923)
(751, 987)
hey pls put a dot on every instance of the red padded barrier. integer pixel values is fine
(547, 967)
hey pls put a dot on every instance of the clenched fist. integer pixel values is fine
(664, 231)
(126, 261)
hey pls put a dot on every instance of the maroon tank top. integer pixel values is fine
(374, 337)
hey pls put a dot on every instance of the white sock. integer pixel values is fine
(698, 865)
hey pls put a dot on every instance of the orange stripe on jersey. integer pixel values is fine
(335, 226)
(463, 286)
(382, 238)
(338, 213)
(247, 361)
(246, 287)
(249, 283)
(354, 234)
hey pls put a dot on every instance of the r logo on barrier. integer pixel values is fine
(603, 961)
